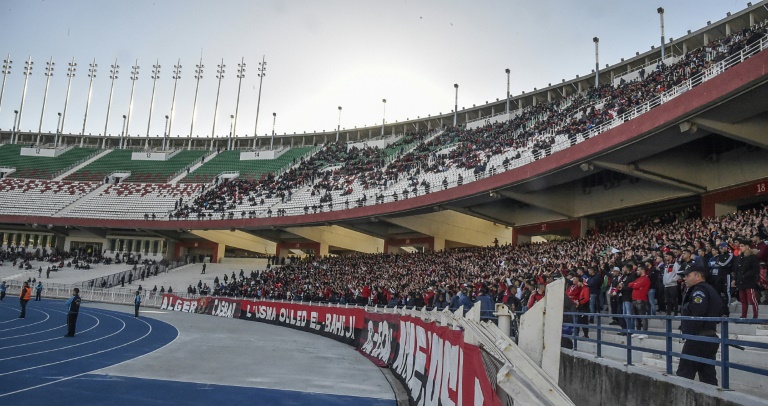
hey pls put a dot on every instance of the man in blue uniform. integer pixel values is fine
(73, 305)
(700, 300)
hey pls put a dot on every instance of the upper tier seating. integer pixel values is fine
(39, 197)
(41, 167)
(119, 160)
(132, 201)
(229, 161)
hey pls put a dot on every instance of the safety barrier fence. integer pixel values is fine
(468, 360)
(669, 334)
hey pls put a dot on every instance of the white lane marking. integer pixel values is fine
(50, 329)
(62, 348)
(47, 316)
(82, 356)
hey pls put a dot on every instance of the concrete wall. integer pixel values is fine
(607, 383)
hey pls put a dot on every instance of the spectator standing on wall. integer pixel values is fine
(747, 271)
(671, 285)
(487, 306)
(640, 287)
(595, 285)
(629, 276)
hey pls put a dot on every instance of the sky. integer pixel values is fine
(320, 55)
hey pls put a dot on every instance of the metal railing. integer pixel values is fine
(669, 335)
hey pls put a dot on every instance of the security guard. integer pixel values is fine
(700, 300)
(73, 305)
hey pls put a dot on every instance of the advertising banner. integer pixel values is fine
(340, 323)
(218, 306)
(434, 364)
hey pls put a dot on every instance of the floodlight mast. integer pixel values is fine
(91, 75)
(6, 71)
(48, 73)
(262, 72)
(71, 68)
(28, 65)
(198, 76)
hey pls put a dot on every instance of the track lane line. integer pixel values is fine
(84, 356)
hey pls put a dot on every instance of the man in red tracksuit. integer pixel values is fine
(582, 305)
(640, 288)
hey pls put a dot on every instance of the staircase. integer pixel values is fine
(82, 165)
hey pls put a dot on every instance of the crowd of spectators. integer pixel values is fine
(534, 128)
(516, 274)
(335, 167)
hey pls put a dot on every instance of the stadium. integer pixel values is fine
(365, 235)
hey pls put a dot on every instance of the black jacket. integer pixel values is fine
(747, 270)
(701, 300)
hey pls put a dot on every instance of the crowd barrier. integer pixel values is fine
(433, 362)
(439, 357)
(671, 332)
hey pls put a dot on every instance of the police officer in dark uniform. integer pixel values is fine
(73, 305)
(700, 300)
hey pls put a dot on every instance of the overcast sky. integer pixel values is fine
(320, 55)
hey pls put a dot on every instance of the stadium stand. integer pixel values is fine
(141, 171)
(458, 155)
(134, 201)
(229, 161)
(33, 167)
(39, 197)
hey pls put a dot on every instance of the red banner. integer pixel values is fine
(340, 323)
(218, 306)
(379, 338)
(437, 367)
(433, 363)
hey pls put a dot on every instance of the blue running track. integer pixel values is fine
(40, 366)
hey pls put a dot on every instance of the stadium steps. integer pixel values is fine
(192, 168)
(743, 382)
(85, 198)
(78, 167)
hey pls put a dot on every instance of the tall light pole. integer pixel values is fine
(597, 62)
(13, 133)
(27, 71)
(134, 77)
(112, 75)
(219, 76)
(198, 76)
(507, 71)
(169, 124)
(272, 141)
(262, 72)
(71, 68)
(122, 131)
(6, 71)
(230, 145)
(384, 116)
(91, 75)
(660, 10)
(155, 76)
(48, 73)
(165, 133)
(456, 105)
(338, 128)
(240, 76)
(58, 126)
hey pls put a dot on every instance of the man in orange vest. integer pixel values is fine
(24, 296)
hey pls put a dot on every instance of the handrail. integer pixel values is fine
(725, 342)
